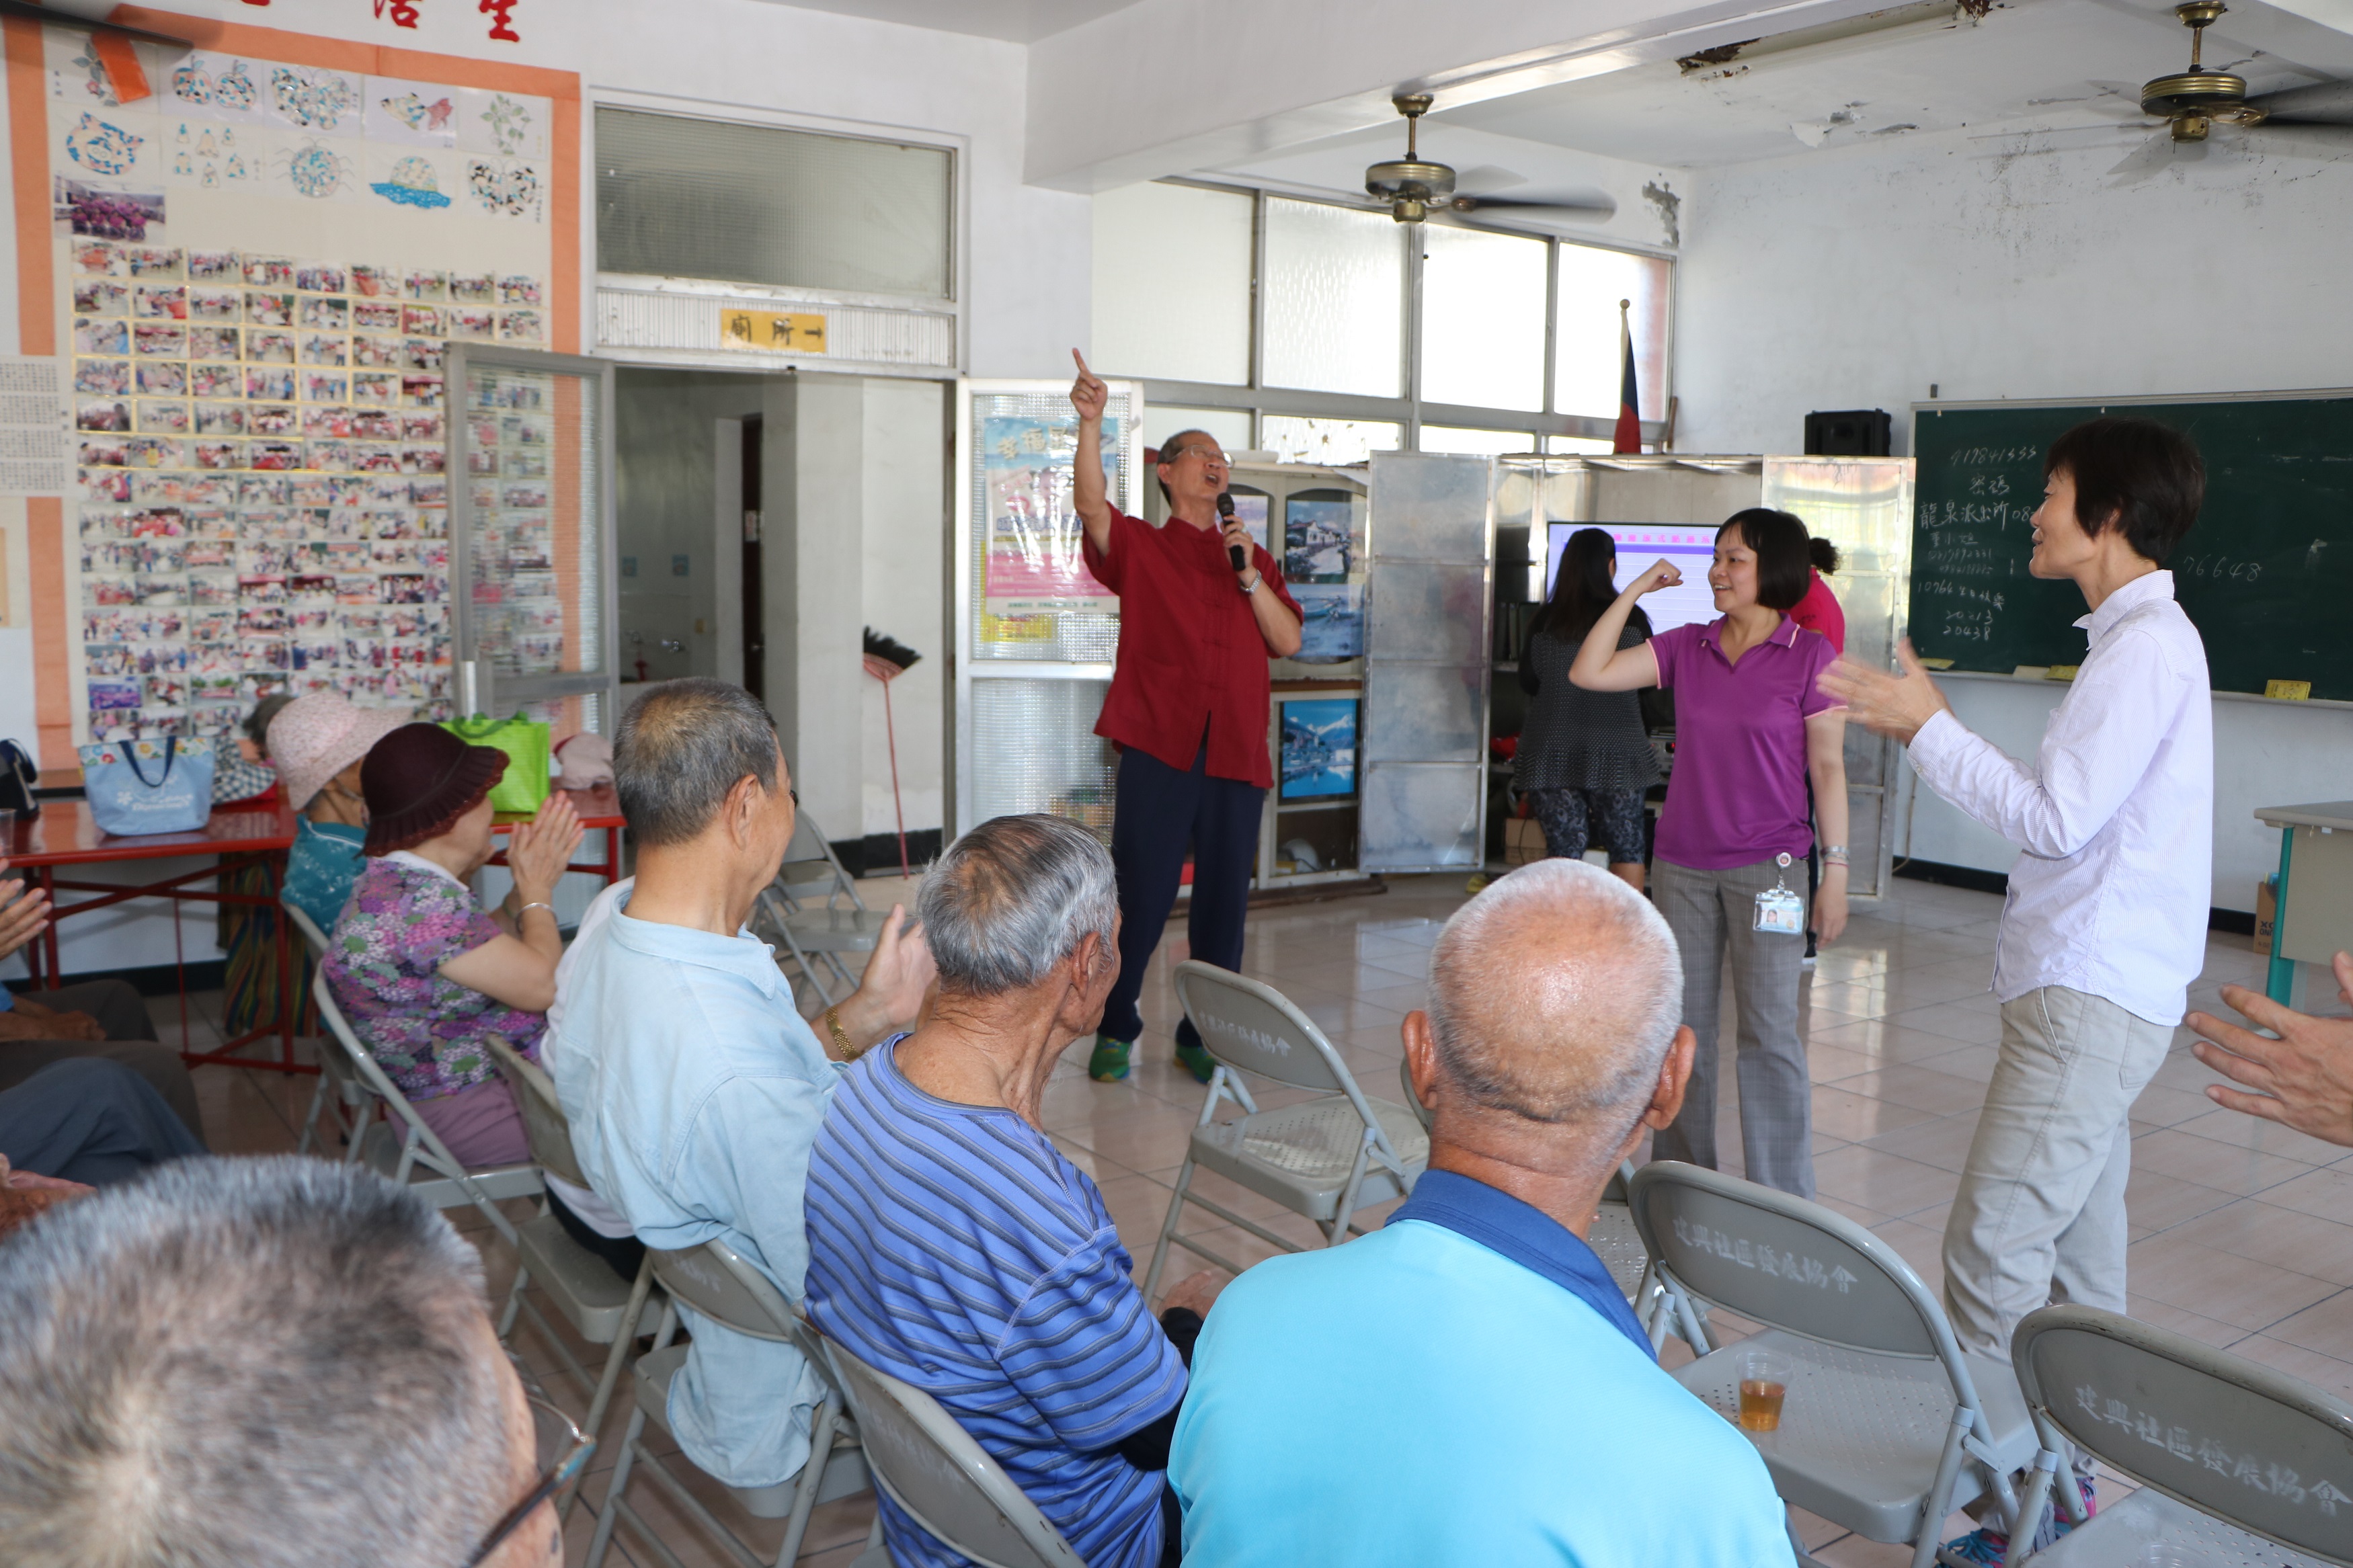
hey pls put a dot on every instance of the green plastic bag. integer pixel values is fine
(524, 786)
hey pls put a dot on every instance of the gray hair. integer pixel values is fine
(247, 1364)
(681, 748)
(1012, 898)
(1555, 995)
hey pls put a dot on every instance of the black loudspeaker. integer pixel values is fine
(1852, 433)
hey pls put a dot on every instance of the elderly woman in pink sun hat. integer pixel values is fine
(318, 742)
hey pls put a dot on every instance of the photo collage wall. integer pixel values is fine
(260, 434)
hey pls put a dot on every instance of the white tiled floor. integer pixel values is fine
(2237, 1224)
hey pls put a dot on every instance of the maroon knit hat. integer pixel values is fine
(419, 781)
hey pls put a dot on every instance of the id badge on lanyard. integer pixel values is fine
(1778, 909)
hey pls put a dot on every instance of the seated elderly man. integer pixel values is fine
(952, 1246)
(693, 1088)
(263, 1364)
(1466, 1385)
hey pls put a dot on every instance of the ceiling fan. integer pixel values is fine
(2192, 102)
(1413, 186)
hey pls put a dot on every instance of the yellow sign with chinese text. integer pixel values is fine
(771, 332)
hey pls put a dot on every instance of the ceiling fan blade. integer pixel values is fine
(2322, 103)
(1602, 208)
(2155, 156)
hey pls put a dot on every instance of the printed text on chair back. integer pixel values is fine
(1243, 1029)
(2240, 1441)
(932, 1471)
(1813, 1273)
(703, 1280)
(544, 1126)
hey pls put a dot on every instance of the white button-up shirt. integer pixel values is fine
(2116, 815)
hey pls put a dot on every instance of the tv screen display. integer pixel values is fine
(1639, 545)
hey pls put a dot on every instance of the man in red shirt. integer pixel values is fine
(1188, 711)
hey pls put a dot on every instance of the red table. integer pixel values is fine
(237, 834)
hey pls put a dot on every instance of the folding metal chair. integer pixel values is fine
(1325, 1158)
(720, 1283)
(1886, 1425)
(930, 1466)
(415, 1156)
(813, 909)
(336, 1076)
(2239, 1465)
(602, 1308)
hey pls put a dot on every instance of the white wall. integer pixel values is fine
(2001, 266)
(903, 591)
(2024, 267)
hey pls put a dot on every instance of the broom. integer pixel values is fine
(887, 658)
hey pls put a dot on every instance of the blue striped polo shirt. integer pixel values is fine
(953, 1247)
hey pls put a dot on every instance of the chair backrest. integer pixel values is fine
(934, 1469)
(313, 937)
(2242, 1442)
(723, 1285)
(544, 1126)
(1248, 1025)
(1788, 1263)
(810, 869)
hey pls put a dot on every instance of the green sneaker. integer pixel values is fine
(1108, 1062)
(1197, 1060)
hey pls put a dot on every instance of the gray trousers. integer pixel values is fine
(130, 1039)
(2040, 1216)
(1711, 913)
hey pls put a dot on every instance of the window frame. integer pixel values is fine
(1410, 412)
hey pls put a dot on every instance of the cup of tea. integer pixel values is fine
(1764, 1383)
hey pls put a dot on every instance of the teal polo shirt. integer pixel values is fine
(1454, 1389)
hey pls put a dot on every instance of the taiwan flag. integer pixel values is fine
(1627, 436)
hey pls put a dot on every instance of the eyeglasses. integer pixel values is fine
(562, 1450)
(1209, 455)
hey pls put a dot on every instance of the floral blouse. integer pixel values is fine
(402, 923)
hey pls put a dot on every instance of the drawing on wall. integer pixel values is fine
(317, 170)
(1331, 621)
(412, 182)
(1315, 537)
(312, 99)
(508, 124)
(1319, 748)
(411, 110)
(101, 147)
(230, 89)
(504, 190)
(95, 83)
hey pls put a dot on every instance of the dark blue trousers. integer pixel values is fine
(1158, 811)
(89, 1119)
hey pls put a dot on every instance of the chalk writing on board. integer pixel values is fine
(1762, 1256)
(1964, 514)
(1993, 457)
(2218, 568)
(2248, 1469)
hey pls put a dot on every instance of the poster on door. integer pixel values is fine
(1034, 564)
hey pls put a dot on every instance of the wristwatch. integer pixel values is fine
(1251, 586)
(1834, 855)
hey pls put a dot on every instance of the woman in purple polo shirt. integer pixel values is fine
(1751, 727)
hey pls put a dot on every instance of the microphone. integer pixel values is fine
(1234, 552)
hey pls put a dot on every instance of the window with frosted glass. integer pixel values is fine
(1483, 318)
(758, 204)
(1172, 284)
(1477, 442)
(1335, 299)
(1294, 439)
(1586, 369)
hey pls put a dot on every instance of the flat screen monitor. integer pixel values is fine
(1639, 545)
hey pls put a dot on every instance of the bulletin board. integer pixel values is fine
(253, 274)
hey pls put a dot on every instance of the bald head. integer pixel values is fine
(1554, 996)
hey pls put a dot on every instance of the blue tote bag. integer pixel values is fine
(149, 786)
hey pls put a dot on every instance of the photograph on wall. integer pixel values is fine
(1331, 622)
(1034, 564)
(1319, 748)
(1317, 538)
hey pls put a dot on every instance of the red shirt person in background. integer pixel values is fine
(1819, 610)
(1187, 710)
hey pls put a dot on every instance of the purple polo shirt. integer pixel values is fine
(1738, 795)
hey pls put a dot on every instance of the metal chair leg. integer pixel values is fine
(812, 1480)
(615, 1358)
(607, 1516)
(1167, 1230)
(310, 1122)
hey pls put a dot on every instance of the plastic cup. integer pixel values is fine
(1763, 1383)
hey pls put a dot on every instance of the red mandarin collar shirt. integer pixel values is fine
(1190, 655)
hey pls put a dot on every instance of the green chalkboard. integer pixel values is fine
(2266, 574)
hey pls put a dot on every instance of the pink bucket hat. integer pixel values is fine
(314, 738)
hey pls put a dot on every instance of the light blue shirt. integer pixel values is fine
(694, 1092)
(1417, 1396)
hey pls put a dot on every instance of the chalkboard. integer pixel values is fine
(2266, 573)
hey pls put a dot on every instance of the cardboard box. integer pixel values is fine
(2266, 913)
(1522, 840)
